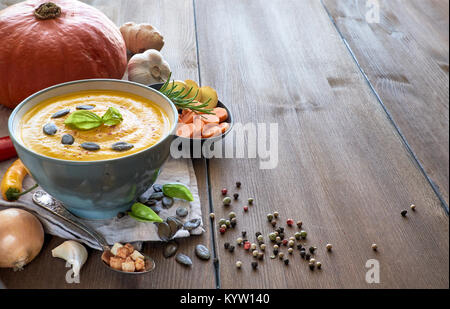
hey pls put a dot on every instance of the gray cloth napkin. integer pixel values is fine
(124, 229)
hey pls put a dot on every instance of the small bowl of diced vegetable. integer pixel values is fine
(201, 115)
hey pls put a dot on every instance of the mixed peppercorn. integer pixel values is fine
(278, 237)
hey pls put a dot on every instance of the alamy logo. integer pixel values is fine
(373, 11)
(373, 274)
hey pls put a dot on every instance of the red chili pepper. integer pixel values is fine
(7, 149)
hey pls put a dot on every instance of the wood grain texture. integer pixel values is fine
(406, 58)
(175, 20)
(343, 169)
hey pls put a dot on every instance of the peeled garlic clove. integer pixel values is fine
(73, 252)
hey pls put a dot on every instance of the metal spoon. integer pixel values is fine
(47, 202)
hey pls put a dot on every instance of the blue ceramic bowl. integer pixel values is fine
(95, 189)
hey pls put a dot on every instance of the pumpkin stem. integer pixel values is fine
(47, 10)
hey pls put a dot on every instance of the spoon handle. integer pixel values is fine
(47, 202)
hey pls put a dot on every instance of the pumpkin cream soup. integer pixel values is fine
(93, 125)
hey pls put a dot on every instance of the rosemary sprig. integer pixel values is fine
(179, 99)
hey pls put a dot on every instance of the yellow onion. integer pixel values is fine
(21, 238)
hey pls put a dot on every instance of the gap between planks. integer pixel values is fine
(206, 164)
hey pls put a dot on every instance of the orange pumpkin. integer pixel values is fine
(47, 43)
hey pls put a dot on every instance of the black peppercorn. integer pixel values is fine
(257, 234)
(226, 245)
(302, 254)
(286, 261)
(312, 249)
(307, 256)
(299, 246)
(244, 234)
(404, 212)
(238, 184)
(275, 252)
(311, 266)
(254, 265)
(231, 249)
(235, 196)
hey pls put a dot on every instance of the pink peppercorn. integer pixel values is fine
(285, 242)
(290, 222)
(222, 230)
(245, 208)
(224, 191)
(247, 245)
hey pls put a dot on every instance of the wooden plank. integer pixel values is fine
(405, 57)
(180, 52)
(343, 169)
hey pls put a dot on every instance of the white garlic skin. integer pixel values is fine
(73, 252)
(148, 68)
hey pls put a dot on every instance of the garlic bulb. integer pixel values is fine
(148, 68)
(141, 37)
(73, 252)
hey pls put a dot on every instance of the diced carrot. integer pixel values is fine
(224, 126)
(188, 116)
(210, 130)
(207, 118)
(221, 113)
(198, 126)
(185, 130)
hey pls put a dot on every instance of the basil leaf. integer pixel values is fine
(83, 120)
(178, 191)
(112, 117)
(141, 212)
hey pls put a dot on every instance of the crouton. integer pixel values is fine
(129, 247)
(123, 252)
(106, 256)
(139, 264)
(136, 255)
(116, 262)
(115, 248)
(128, 266)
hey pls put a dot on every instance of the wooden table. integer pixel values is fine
(363, 132)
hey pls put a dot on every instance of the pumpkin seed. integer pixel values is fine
(164, 231)
(156, 209)
(50, 129)
(90, 146)
(157, 187)
(150, 202)
(202, 252)
(121, 146)
(174, 225)
(183, 259)
(182, 212)
(67, 139)
(157, 196)
(85, 107)
(192, 224)
(167, 202)
(61, 113)
(170, 249)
